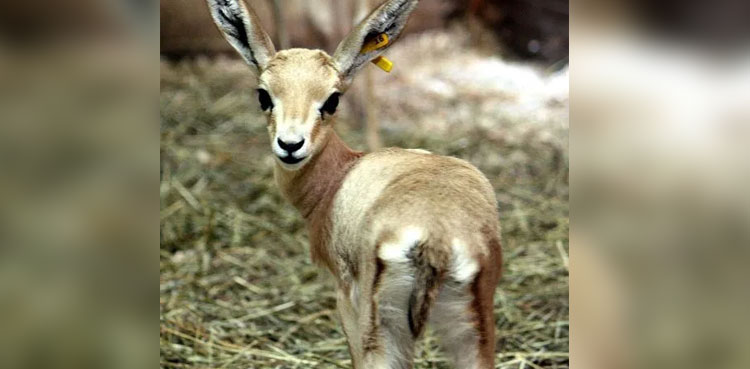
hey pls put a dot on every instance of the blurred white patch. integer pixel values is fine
(203, 156)
(448, 85)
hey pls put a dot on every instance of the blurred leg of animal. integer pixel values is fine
(282, 37)
(320, 23)
(477, 31)
(373, 124)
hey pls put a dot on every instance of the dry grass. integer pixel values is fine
(237, 289)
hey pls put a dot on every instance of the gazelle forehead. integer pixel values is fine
(296, 71)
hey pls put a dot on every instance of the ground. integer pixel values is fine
(237, 287)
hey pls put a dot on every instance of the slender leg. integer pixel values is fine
(350, 322)
(388, 342)
(483, 290)
(464, 323)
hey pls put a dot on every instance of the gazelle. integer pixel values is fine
(410, 237)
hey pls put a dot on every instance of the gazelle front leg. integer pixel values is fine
(359, 318)
(365, 337)
(346, 295)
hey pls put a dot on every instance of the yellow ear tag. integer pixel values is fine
(378, 42)
(383, 63)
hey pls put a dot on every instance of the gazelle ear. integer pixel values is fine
(241, 27)
(389, 19)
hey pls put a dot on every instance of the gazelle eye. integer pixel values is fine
(265, 99)
(331, 104)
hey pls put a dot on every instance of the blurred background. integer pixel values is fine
(485, 81)
(661, 213)
(526, 29)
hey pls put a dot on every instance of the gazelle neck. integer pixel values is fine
(312, 189)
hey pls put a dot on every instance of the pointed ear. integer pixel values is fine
(389, 18)
(241, 27)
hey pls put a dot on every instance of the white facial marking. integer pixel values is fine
(398, 251)
(464, 266)
(291, 131)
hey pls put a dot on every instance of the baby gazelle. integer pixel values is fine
(409, 236)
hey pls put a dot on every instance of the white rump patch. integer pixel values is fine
(398, 251)
(464, 266)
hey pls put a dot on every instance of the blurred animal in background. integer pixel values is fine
(411, 238)
(523, 29)
(526, 29)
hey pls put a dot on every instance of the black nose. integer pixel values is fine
(290, 147)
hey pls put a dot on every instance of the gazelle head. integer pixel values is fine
(299, 89)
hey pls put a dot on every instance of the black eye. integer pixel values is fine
(265, 99)
(331, 104)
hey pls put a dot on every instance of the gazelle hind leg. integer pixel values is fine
(375, 318)
(452, 323)
(463, 320)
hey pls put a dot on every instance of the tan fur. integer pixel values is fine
(410, 237)
(298, 77)
(392, 188)
(311, 190)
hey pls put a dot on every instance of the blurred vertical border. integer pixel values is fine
(79, 169)
(660, 137)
